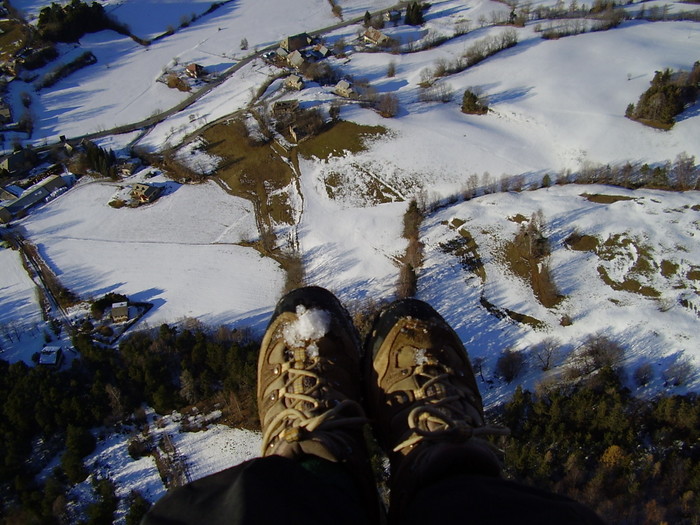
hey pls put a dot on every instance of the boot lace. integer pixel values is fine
(310, 408)
(445, 410)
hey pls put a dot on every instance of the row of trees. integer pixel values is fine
(679, 175)
(68, 23)
(413, 258)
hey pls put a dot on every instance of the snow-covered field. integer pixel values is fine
(555, 105)
(180, 253)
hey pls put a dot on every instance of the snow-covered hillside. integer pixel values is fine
(555, 105)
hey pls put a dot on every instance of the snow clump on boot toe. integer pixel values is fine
(310, 326)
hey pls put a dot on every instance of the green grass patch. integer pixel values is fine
(628, 285)
(13, 38)
(605, 199)
(528, 262)
(614, 246)
(341, 137)
(466, 250)
(582, 243)
(502, 313)
(519, 218)
(668, 268)
(252, 171)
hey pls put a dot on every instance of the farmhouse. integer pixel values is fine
(51, 356)
(15, 162)
(295, 59)
(5, 113)
(344, 89)
(296, 42)
(10, 192)
(194, 71)
(33, 195)
(294, 82)
(376, 37)
(120, 312)
(392, 16)
(145, 192)
(5, 215)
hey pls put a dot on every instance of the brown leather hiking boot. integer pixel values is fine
(309, 389)
(309, 379)
(424, 401)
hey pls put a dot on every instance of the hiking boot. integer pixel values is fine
(309, 379)
(424, 401)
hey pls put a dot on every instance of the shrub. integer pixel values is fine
(643, 374)
(679, 372)
(474, 104)
(387, 105)
(510, 365)
(546, 353)
(438, 92)
(600, 352)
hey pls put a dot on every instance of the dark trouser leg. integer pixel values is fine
(265, 490)
(491, 500)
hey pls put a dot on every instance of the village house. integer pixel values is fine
(296, 42)
(10, 192)
(194, 71)
(15, 162)
(285, 108)
(51, 356)
(295, 59)
(5, 113)
(320, 51)
(344, 89)
(393, 16)
(120, 312)
(294, 82)
(374, 36)
(35, 194)
(145, 192)
(5, 215)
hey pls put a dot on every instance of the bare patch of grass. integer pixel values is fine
(582, 243)
(341, 137)
(694, 274)
(13, 38)
(526, 256)
(252, 171)
(605, 199)
(628, 285)
(519, 218)
(466, 250)
(668, 268)
(503, 313)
